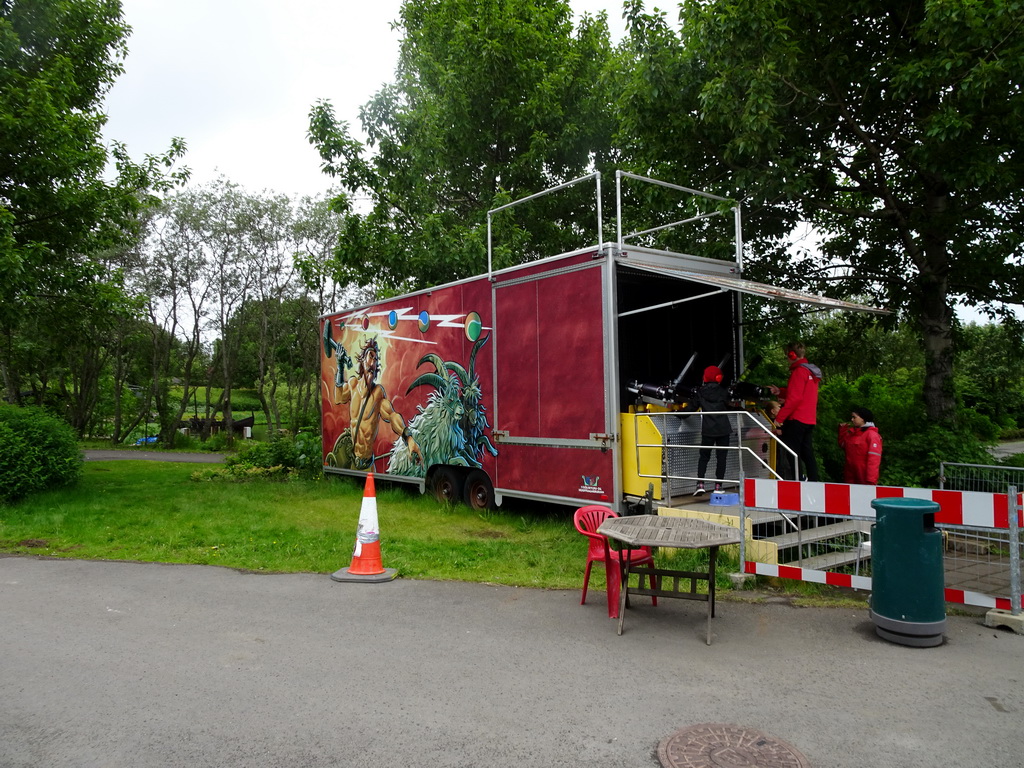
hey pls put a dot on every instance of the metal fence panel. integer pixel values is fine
(990, 560)
(987, 478)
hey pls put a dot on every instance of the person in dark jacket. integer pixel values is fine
(715, 428)
(862, 444)
(799, 411)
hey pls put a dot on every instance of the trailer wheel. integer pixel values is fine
(478, 493)
(446, 485)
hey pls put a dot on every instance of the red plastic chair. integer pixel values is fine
(587, 520)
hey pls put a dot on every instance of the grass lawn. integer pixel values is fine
(155, 512)
(152, 511)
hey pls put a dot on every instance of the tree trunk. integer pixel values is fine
(935, 323)
(207, 424)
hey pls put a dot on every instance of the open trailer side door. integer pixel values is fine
(551, 408)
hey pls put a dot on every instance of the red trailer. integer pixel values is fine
(528, 381)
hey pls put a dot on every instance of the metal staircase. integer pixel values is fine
(814, 542)
(832, 545)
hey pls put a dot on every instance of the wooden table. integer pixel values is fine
(677, 532)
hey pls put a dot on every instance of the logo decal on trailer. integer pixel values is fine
(590, 485)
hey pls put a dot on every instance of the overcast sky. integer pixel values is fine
(236, 79)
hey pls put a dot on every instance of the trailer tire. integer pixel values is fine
(478, 493)
(446, 485)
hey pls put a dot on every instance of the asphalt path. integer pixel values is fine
(999, 451)
(135, 665)
(1002, 450)
(136, 455)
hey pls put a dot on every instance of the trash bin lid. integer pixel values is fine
(923, 506)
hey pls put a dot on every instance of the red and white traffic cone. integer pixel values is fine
(366, 561)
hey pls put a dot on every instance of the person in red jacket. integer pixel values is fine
(863, 446)
(799, 412)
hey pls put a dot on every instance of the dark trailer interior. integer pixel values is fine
(669, 331)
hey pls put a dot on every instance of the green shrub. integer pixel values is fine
(187, 442)
(276, 453)
(309, 459)
(282, 458)
(37, 451)
(216, 443)
(914, 459)
(1015, 460)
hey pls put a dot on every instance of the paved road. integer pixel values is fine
(132, 665)
(1003, 450)
(131, 454)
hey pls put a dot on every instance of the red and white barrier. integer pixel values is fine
(806, 574)
(961, 596)
(969, 508)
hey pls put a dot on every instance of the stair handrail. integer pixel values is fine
(745, 416)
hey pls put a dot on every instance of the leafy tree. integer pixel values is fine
(851, 345)
(316, 232)
(990, 372)
(170, 280)
(268, 258)
(279, 356)
(131, 348)
(57, 60)
(494, 100)
(219, 266)
(893, 128)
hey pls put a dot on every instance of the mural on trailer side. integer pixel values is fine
(450, 425)
(452, 428)
(368, 405)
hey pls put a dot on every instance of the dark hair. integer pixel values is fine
(368, 346)
(864, 413)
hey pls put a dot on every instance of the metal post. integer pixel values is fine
(738, 220)
(618, 208)
(743, 533)
(563, 185)
(490, 267)
(1014, 526)
(738, 425)
(743, 507)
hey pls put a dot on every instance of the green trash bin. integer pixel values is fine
(908, 604)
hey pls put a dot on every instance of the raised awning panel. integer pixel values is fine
(753, 288)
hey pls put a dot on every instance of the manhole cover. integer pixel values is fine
(711, 745)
